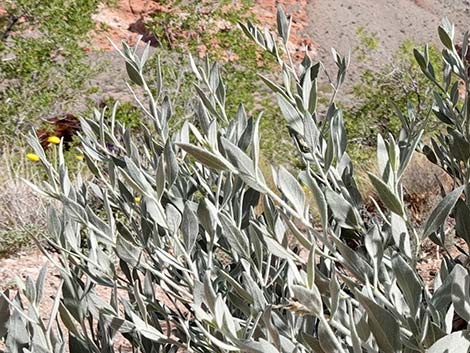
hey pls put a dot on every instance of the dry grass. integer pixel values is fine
(21, 211)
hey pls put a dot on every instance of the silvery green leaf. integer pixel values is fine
(383, 325)
(446, 37)
(189, 227)
(310, 298)
(134, 73)
(235, 237)
(54, 225)
(208, 216)
(201, 314)
(127, 251)
(206, 101)
(300, 235)
(343, 211)
(290, 113)
(216, 341)
(382, 155)
(219, 311)
(400, 234)
(171, 164)
(311, 133)
(211, 134)
(409, 283)
(356, 340)
(312, 98)
(441, 211)
(354, 261)
(173, 217)
(272, 330)
(259, 301)
(277, 249)
(118, 324)
(338, 133)
(459, 146)
(461, 292)
(33, 141)
(449, 319)
(40, 284)
(420, 60)
(146, 330)
(273, 86)
(244, 166)
(256, 141)
(155, 211)
(68, 320)
(209, 159)
(319, 197)
(283, 25)
(242, 292)
(160, 178)
(138, 176)
(374, 245)
(246, 139)
(335, 290)
(457, 342)
(241, 120)
(388, 197)
(406, 156)
(17, 336)
(194, 68)
(209, 293)
(329, 153)
(442, 296)
(291, 189)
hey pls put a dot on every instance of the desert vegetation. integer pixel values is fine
(168, 228)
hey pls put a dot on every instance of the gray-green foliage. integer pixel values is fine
(196, 250)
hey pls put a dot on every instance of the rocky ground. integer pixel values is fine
(335, 23)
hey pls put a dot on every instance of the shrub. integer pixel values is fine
(199, 254)
(380, 94)
(41, 58)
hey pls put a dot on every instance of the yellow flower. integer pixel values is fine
(53, 139)
(32, 157)
(79, 157)
(137, 199)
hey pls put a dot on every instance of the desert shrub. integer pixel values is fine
(199, 254)
(380, 95)
(41, 59)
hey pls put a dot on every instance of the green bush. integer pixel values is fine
(380, 96)
(199, 254)
(41, 59)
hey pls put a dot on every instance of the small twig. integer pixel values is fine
(13, 21)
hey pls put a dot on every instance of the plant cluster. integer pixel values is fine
(41, 58)
(199, 254)
(208, 29)
(379, 95)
